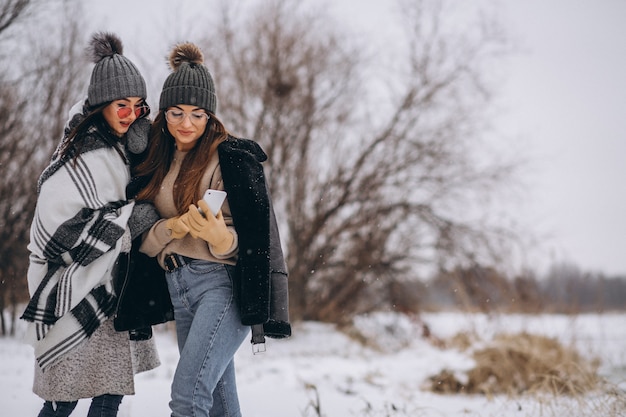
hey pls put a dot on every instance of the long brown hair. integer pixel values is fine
(75, 133)
(159, 157)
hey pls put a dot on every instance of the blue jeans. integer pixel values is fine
(209, 332)
(103, 406)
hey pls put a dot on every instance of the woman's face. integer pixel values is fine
(186, 124)
(120, 114)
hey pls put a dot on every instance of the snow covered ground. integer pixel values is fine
(323, 372)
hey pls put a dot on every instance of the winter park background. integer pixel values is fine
(542, 328)
(323, 372)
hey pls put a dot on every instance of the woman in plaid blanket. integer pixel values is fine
(82, 224)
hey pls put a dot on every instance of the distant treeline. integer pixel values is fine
(565, 289)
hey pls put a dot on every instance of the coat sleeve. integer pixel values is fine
(278, 325)
(244, 182)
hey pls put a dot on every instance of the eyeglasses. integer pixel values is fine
(140, 111)
(195, 117)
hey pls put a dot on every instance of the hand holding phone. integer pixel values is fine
(214, 199)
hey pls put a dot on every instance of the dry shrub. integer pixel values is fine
(518, 363)
(446, 382)
(525, 362)
(384, 332)
(461, 341)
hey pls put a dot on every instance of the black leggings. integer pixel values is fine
(103, 406)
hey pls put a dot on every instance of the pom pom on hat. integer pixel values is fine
(114, 76)
(190, 82)
(185, 52)
(105, 45)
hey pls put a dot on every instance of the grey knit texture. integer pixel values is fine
(113, 78)
(104, 364)
(137, 135)
(142, 218)
(190, 84)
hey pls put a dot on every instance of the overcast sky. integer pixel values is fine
(565, 96)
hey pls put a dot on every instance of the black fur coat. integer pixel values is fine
(261, 274)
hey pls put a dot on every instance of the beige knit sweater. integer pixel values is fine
(158, 242)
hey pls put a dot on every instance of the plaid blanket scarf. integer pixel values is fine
(75, 239)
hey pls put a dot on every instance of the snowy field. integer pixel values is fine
(322, 372)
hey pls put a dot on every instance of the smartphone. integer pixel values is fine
(214, 199)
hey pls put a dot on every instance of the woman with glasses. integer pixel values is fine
(222, 266)
(82, 224)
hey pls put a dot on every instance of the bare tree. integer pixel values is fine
(474, 288)
(527, 294)
(367, 185)
(567, 288)
(10, 11)
(35, 97)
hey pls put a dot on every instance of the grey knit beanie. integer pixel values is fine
(113, 77)
(190, 82)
